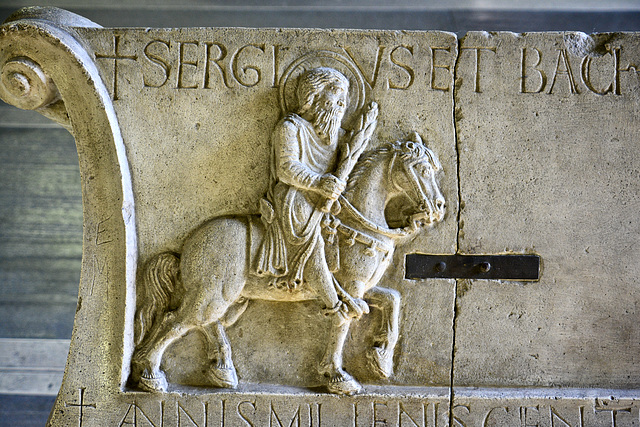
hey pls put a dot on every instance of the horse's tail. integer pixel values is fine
(160, 284)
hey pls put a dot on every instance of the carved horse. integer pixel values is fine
(211, 282)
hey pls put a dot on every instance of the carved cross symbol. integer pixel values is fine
(80, 405)
(496, 267)
(116, 57)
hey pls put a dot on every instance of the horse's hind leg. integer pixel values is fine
(380, 355)
(149, 355)
(222, 373)
(194, 311)
(234, 312)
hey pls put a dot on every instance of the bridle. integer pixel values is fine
(422, 201)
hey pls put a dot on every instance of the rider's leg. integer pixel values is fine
(318, 276)
(320, 279)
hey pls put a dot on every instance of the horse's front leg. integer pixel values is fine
(380, 355)
(340, 382)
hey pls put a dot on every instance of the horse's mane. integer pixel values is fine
(407, 150)
(367, 159)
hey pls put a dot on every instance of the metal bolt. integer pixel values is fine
(440, 267)
(484, 267)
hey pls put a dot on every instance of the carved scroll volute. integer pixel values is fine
(45, 67)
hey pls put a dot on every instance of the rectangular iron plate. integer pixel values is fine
(497, 267)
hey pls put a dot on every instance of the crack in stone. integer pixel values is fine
(455, 286)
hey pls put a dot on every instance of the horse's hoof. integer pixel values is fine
(223, 376)
(380, 362)
(344, 384)
(155, 382)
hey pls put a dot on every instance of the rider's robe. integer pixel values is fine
(298, 161)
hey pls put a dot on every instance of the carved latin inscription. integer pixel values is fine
(208, 64)
(551, 73)
(410, 412)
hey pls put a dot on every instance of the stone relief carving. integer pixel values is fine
(322, 234)
(68, 69)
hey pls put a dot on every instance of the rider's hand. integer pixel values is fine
(330, 186)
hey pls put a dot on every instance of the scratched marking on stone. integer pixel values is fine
(117, 56)
(80, 405)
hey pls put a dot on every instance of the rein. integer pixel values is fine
(370, 225)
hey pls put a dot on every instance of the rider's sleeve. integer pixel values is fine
(291, 170)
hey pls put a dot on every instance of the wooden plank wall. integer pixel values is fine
(40, 202)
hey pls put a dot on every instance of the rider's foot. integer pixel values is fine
(328, 311)
(356, 307)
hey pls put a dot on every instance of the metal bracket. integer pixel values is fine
(496, 267)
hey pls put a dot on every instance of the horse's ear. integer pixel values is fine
(415, 137)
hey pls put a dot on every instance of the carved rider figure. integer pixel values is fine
(305, 147)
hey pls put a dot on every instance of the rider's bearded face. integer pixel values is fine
(328, 111)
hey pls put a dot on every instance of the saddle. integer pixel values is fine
(271, 258)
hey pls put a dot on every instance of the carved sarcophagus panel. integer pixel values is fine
(251, 196)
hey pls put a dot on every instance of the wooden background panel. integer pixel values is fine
(403, 18)
(40, 230)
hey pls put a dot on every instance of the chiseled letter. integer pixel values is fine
(376, 66)
(523, 72)
(614, 412)
(273, 414)
(182, 62)
(158, 60)
(457, 421)
(486, 417)
(182, 410)
(434, 65)
(222, 52)
(255, 71)
(566, 69)
(631, 67)
(131, 416)
(242, 415)
(586, 77)
(553, 415)
(476, 87)
(523, 415)
(405, 67)
(376, 420)
(407, 416)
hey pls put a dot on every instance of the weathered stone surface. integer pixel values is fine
(549, 165)
(182, 145)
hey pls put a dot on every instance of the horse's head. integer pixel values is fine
(397, 183)
(413, 173)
